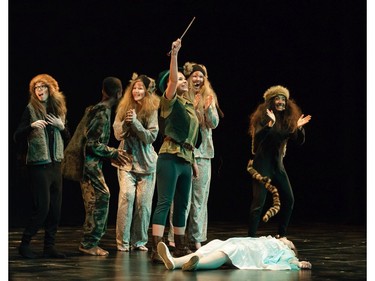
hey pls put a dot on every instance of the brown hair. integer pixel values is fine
(288, 118)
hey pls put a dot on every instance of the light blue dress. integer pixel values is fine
(253, 253)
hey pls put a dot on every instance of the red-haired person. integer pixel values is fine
(43, 126)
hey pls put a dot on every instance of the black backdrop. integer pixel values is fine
(317, 49)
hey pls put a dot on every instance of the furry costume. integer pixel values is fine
(74, 153)
(38, 150)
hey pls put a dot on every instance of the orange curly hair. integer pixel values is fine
(56, 101)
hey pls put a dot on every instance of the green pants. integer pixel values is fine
(173, 181)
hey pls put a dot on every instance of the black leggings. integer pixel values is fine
(281, 181)
(46, 189)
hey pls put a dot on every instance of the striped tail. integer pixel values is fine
(271, 188)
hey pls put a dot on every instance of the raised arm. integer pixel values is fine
(173, 70)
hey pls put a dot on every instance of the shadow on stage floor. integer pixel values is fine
(337, 252)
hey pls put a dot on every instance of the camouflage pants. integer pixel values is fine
(96, 201)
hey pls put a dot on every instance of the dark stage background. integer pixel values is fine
(317, 49)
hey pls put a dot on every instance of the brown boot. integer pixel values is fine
(155, 258)
(181, 248)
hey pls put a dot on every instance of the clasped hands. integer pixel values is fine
(130, 116)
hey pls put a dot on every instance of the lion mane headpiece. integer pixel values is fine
(274, 91)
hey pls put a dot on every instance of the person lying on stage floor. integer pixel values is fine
(240, 252)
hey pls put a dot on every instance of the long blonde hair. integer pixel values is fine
(56, 100)
(206, 90)
(145, 107)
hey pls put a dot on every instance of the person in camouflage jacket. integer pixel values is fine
(95, 192)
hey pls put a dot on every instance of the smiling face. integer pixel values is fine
(182, 85)
(280, 102)
(138, 91)
(197, 80)
(41, 91)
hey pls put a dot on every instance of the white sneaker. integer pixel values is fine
(166, 256)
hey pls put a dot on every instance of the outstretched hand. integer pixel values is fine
(303, 120)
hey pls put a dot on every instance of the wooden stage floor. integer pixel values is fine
(337, 252)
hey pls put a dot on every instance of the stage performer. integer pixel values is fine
(263, 253)
(136, 127)
(95, 192)
(208, 112)
(43, 126)
(176, 156)
(272, 124)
